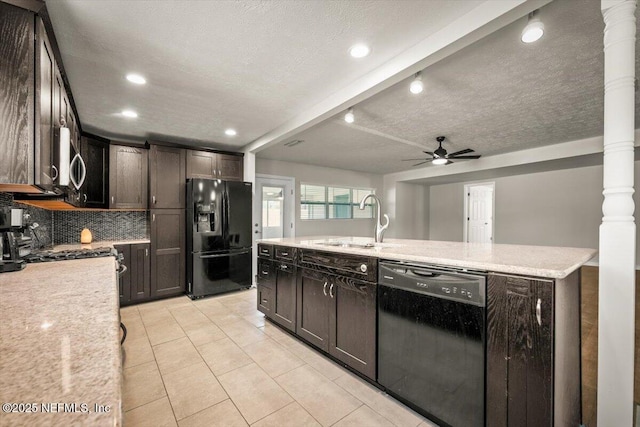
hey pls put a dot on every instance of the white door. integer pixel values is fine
(273, 210)
(479, 213)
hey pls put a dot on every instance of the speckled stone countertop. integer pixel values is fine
(98, 244)
(539, 261)
(60, 343)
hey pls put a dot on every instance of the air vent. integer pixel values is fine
(293, 143)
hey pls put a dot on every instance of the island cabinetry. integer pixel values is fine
(277, 285)
(313, 307)
(533, 351)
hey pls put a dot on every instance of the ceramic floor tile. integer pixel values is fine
(224, 318)
(243, 333)
(324, 400)
(223, 356)
(202, 333)
(155, 414)
(428, 424)
(274, 359)
(325, 366)
(223, 414)
(141, 384)
(176, 354)
(136, 351)
(135, 327)
(394, 411)
(192, 389)
(188, 315)
(256, 319)
(363, 416)
(163, 332)
(254, 393)
(129, 312)
(154, 317)
(292, 415)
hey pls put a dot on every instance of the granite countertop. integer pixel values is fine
(60, 343)
(98, 244)
(538, 261)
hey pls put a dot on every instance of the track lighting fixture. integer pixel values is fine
(533, 30)
(349, 117)
(417, 85)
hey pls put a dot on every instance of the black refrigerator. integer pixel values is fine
(218, 236)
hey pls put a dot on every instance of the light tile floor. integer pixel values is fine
(216, 362)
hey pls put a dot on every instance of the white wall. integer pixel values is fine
(556, 208)
(324, 176)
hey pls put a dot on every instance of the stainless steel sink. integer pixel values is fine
(356, 244)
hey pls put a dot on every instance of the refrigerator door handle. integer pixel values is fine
(228, 254)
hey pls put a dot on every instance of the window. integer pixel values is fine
(321, 202)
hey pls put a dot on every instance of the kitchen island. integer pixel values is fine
(60, 357)
(501, 321)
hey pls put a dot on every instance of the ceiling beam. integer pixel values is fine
(380, 134)
(485, 19)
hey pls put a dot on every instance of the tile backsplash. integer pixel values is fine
(59, 227)
(104, 225)
(43, 235)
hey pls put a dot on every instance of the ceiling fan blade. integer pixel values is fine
(408, 160)
(421, 163)
(449, 162)
(465, 151)
(428, 152)
(465, 157)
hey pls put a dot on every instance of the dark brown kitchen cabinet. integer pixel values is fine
(533, 351)
(45, 102)
(167, 252)
(135, 282)
(210, 165)
(284, 295)
(167, 177)
(17, 74)
(95, 190)
(338, 315)
(128, 177)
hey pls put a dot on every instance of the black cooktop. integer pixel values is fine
(48, 256)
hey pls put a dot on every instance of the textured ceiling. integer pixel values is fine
(495, 96)
(210, 65)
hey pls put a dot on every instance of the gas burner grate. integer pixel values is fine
(49, 256)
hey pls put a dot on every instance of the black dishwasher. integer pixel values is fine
(431, 340)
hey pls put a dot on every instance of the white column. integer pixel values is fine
(616, 315)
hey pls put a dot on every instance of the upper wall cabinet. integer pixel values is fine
(95, 191)
(17, 73)
(128, 175)
(167, 177)
(205, 164)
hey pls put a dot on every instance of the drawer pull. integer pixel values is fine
(284, 253)
(283, 267)
(264, 300)
(363, 268)
(331, 291)
(324, 288)
(265, 273)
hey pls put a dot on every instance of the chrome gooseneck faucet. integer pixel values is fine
(379, 227)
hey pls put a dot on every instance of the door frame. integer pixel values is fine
(465, 198)
(289, 210)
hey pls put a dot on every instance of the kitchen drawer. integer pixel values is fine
(265, 299)
(266, 275)
(265, 251)
(285, 253)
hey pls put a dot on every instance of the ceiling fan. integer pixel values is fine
(440, 156)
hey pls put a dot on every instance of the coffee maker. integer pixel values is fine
(10, 236)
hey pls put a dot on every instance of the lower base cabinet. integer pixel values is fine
(135, 283)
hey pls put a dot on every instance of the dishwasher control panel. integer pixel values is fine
(466, 287)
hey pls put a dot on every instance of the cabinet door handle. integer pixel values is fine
(331, 291)
(113, 200)
(85, 197)
(146, 252)
(539, 311)
(324, 288)
(153, 199)
(55, 169)
(153, 217)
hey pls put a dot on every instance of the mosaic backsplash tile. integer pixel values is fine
(104, 225)
(43, 234)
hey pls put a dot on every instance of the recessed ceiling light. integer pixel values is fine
(349, 117)
(533, 30)
(130, 113)
(136, 78)
(359, 50)
(416, 85)
(230, 132)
